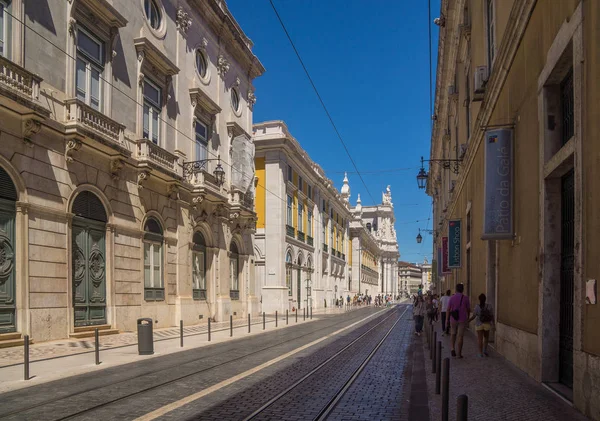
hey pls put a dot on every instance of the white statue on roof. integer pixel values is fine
(387, 196)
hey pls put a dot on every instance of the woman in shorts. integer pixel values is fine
(484, 322)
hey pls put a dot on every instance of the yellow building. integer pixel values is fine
(516, 96)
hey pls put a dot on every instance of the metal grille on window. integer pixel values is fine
(567, 108)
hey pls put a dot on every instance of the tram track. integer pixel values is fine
(19, 413)
(327, 409)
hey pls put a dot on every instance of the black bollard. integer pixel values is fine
(26, 357)
(431, 344)
(264, 322)
(286, 317)
(462, 408)
(248, 322)
(181, 333)
(296, 315)
(438, 367)
(304, 313)
(310, 309)
(275, 318)
(97, 346)
(445, 389)
(231, 325)
(209, 329)
(433, 359)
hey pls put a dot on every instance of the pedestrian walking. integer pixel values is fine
(484, 322)
(436, 304)
(444, 303)
(431, 310)
(419, 314)
(459, 309)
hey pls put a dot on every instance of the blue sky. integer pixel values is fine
(370, 63)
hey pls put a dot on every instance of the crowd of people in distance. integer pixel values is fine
(380, 300)
(455, 314)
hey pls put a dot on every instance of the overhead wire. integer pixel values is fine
(321, 100)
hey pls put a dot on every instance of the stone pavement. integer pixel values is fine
(497, 390)
(64, 347)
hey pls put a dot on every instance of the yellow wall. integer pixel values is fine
(260, 199)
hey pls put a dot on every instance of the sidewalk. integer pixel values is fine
(496, 389)
(59, 359)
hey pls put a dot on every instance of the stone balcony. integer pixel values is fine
(244, 200)
(152, 156)
(84, 120)
(20, 86)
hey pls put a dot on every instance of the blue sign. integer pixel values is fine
(454, 239)
(498, 186)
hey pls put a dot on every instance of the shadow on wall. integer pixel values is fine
(120, 71)
(39, 12)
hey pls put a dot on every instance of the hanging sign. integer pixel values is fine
(454, 239)
(445, 268)
(439, 262)
(498, 186)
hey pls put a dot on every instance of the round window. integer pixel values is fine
(235, 99)
(153, 13)
(201, 64)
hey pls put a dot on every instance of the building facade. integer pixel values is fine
(120, 127)
(426, 279)
(302, 242)
(410, 277)
(517, 96)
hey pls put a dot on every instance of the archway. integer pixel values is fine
(8, 305)
(89, 260)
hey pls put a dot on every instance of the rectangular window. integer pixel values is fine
(300, 214)
(290, 173)
(233, 271)
(198, 270)
(152, 95)
(309, 222)
(3, 29)
(201, 130)
(324, 232)
(309, 191)
(331, 236)
(288, 278)
(153, 265)
(491, 31)
(289, 210)
(300, 183)
(567, 103)
(324, 206)
(89, 67)
(468, 107)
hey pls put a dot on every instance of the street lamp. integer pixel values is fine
(194, 167)
(420, 237)
(422, 176)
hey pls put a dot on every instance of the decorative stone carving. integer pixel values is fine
(204, 44)
(116, 165)
(141, 179)
(183, 21)
(72, 146)
(96, 265)
(30, 127)
(251, 99)
(197, 201)
(234, 215)
(222, 65)
(173, 192)
(72, 26)
(167, 90)
(237, 82)
(141, 78)
(387, 197)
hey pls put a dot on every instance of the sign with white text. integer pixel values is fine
(498, 186)
(454, 239)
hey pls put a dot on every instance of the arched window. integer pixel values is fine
(199, 267)
(153, 14)
(234, 267)
(154, 289)
(288, 272)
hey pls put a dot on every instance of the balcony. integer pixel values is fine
(290, 231)
(301, 236)
(20, 86)
(151, 155)
(325, 247)
(83, 119)
(309, 240)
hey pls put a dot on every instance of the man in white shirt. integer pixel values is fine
(445, 300)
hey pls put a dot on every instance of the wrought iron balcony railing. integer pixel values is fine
(301, 236)
(289, 231)
(309, 240)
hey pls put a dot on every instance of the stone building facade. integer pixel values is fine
(523, 73)
(126, 165)
(302, 243)
(410, 276)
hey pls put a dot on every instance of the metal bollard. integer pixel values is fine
(431, 344)
(264, 322)
(275, 318)
(181, 333)
(445, 389)
(438, 367)
(26, 357)
(304, 313)
(248, 322)
(310, 309)
(97, 346)
(296, 315)
(231, 325)
(462, 408)
(433, 352)
(287, 317)
(209, 329)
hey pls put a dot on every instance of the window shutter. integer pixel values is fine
(7, 187)
(88, 205)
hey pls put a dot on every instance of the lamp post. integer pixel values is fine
(194, 167)
(423, 176)
(420, 237)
